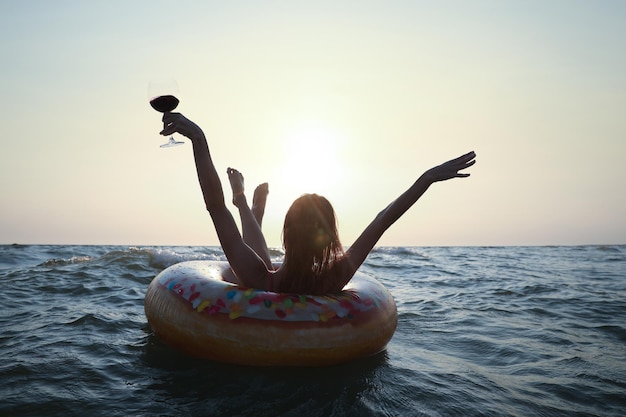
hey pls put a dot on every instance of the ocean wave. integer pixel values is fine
(165, 257)
(610, 248)
(60, 262)
(401, 251)
(159, 257)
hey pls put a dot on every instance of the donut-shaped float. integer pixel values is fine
(191, 308)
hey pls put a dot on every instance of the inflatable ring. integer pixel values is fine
(191, 308)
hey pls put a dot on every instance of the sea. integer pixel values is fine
(482, 331)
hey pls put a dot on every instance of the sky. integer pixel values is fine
(353, 100)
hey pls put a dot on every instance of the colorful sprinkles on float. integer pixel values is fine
(191, 308)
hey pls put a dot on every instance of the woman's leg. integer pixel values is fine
(250, 219)
(258, 202)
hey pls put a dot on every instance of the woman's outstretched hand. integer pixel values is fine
(177, 123)
(451, 169)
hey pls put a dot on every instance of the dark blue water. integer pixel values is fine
(499, 331)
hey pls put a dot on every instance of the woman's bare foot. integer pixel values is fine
(236, 184)
(258, 202)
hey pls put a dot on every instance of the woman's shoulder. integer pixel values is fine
(276, 278)
(341, 273)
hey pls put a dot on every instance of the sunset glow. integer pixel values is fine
(350, 100)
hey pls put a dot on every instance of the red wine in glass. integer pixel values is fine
(164, 104)
(162, 99)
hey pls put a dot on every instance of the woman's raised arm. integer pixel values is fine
(357, 253)
(247, 266)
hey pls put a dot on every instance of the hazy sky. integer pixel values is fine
(349, 99)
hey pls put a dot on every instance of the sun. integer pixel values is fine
(311, 158)
(308, 158)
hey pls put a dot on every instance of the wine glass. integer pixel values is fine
(163, 99)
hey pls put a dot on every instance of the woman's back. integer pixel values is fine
(313, 251)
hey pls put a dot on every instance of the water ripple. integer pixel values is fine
(501, 331)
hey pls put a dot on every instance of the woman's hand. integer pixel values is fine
(451, 169)
(177, 123)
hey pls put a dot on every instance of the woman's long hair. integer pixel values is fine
(311, 245)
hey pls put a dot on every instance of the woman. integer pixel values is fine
(314, 261)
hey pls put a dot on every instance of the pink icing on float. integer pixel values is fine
(191, 308)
